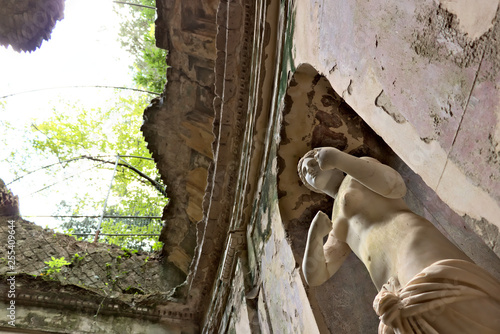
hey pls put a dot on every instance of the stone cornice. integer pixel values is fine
(50, 294)
(235, 28)
(257, 119)
(178, 125)
(236, 242)
(245, 59)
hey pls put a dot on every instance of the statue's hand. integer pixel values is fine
(321, 225)
(326, 157)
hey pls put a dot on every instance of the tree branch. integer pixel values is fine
(96, 86)
(44, 167)
(134, 4)
(155, 184)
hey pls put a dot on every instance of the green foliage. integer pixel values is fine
(55, 265)
(91, 139)
(98, 131)
(77, 146)
(77, 258)
(137, 37)
(153, 76)
(128, 252)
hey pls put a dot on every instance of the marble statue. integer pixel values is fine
(425, 283)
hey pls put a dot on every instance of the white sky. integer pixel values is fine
(83, 50)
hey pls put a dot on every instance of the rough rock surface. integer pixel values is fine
(25, 24)
(9, 203)
(178, 125)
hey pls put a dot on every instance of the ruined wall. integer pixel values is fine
(9, 203)
(258, 287)
(112, 283)
(265, 290)
(178, 125)
(106, 270)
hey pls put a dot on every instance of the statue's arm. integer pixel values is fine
(376, 176)
(322, 261)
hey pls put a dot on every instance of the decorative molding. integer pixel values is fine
(235, 26)
(253, 103)
(236, 241)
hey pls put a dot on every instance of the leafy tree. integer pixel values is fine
(78, 141)
(153, 76)
(94, 137)
(77, 131)
(78, 226)
(137, 37)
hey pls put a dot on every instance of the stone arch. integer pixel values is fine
(314, 115)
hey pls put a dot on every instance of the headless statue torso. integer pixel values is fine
(387, 237)
(371, 219)
(426, 284)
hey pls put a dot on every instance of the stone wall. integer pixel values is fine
(59, 321)
(258, 286)
(9, 203)
(106, 270)
(178, 125)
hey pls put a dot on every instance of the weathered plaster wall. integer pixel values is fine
(261, 290)
(283, 294)
(315, 113)
(267, 293)
(234, 72)
(239, 315)
(425, 77)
